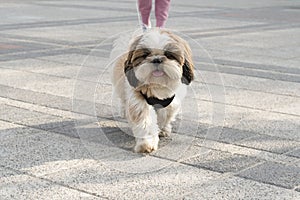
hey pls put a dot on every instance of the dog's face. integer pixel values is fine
(160, 59)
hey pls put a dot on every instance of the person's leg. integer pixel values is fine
(145, 10)
(161, 12)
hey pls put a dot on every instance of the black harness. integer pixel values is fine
(158, 103)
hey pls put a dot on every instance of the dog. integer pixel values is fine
(151, 80)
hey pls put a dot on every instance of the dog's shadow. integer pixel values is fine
(115, 130)
(120, 135)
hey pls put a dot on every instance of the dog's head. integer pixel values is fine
(159, 57)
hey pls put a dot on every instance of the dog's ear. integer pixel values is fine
(128, 65)
(188, 66)
(129, 71)
(187, 72)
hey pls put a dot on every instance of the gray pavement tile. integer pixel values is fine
(190, 128)
(168, 182)
(91, 108)
(43, 67)
(70, 131)
(269, 143)
(12, 131)
(124, 6)
(47, 122)
(38, 149)
(238, 188)
(93, 91)
(33, 119)
(222, 161)
(38, 13)
(231, 135)
(15, 185)
(262, 122)
(10, 46)
(203, 146)
(65, 70)
(254, 66)
(262, 101)
(121, 140)
(88, 128)
(275, 174)
(54, 85)
(15, 114)
(79, 59)
(36, 97)
(256, 73)
(245, 119)
(248, 83)
(295, 153)
(56, 30)
(42, 53)
(36, 39)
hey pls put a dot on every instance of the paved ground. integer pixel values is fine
(239, 133)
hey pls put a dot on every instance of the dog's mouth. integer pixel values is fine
(158, 73)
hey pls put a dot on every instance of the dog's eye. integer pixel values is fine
(170, 55)
(145, 54)
(142, 53)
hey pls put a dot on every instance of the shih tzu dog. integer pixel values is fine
(151, 80)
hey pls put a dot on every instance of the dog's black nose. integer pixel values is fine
(157, 60)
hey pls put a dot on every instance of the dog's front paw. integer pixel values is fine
(146, 145)
(164, 133)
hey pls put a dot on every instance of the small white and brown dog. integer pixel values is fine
(151, 80)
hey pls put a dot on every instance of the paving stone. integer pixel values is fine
(222, 161)
(78, 128)
(262, 122)
(58, 69)
(33, 119)
(250, 83)
(169, 182)
(269, 143)
(202, 146)
(230, 135)
(33, 150)
(36, 97)
(10, 46)
(79, 59)
(274, 173)
(11, 131)
(15, 185)
(47, 122)
(269, 102)
(54, 85)
(295, 153)
(238, 188)
(15, 114)
(190, 128)
(43, 67)
(121, 140)
(66, 130)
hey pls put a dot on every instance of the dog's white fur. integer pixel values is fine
(133, 74)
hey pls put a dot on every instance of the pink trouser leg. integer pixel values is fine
(145, 10)
(161, 12)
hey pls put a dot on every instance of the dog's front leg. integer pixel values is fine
(143, 121)
(164, 118)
